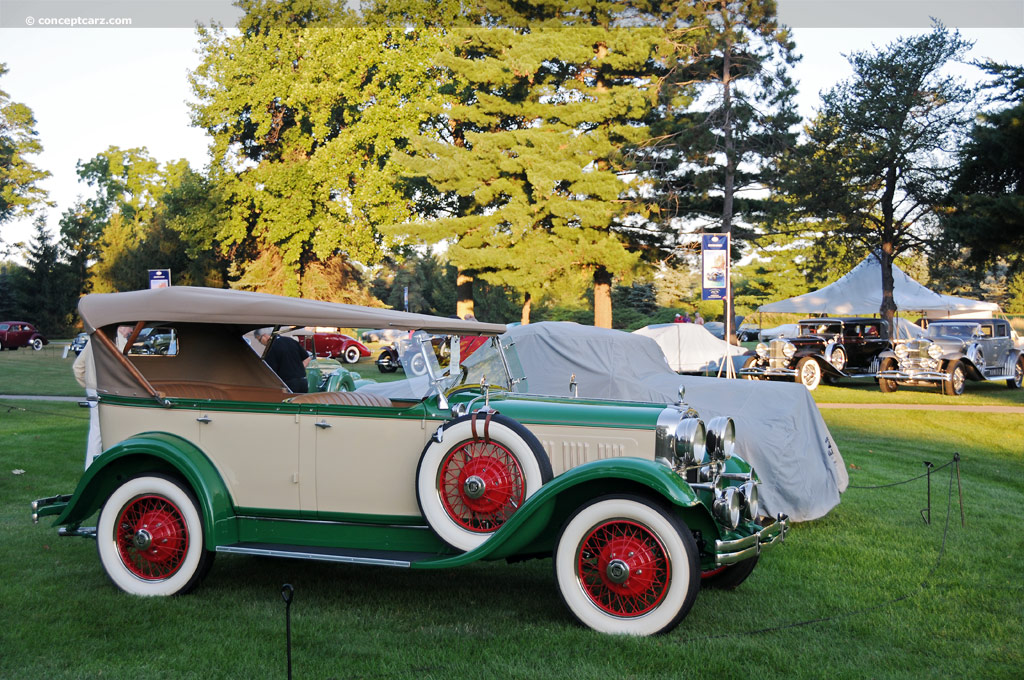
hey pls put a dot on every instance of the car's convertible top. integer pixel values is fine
(243, 308)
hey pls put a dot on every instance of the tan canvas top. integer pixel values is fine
(221, 306)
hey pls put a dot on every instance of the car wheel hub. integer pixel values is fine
(152, 539)
(623, 568)
(474, 487)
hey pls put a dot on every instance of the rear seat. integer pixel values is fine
(340, 399)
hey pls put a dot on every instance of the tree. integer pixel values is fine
(526, 159)
(985, 206)
(306, 108)
(48, 291)
(873, 158)
(710, 163)
(20, 194)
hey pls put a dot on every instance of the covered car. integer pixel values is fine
(780, 429)
(690, 348)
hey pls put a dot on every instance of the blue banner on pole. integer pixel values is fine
(159, 278)
(714, 266)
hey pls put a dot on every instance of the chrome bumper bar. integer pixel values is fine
(921, 375)
(731, 552)
(768, 371)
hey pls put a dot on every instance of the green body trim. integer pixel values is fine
(534, 528)
(156, 452)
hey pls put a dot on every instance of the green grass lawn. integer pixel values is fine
(870, 590)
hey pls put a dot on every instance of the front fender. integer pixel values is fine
(540, 517)
(156, 452)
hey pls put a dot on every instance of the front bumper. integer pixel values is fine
(922, 375)
(768, 372)
(737, 550)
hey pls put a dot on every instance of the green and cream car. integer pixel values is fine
(206, 451)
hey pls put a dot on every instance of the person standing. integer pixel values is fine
(285, 357)
(698, 319)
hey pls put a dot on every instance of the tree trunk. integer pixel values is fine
(525, 320)
(887, 252)
(464, 294)
(602, 298)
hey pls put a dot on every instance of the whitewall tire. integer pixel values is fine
(150, 537)
(626, 565)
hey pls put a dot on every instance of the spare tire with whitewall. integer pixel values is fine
(624, 564)
(480, 473)
(150, 537)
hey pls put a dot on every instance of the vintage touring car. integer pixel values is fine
(207, 451)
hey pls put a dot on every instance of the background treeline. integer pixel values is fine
(534, 160)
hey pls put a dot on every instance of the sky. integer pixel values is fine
(91, 88)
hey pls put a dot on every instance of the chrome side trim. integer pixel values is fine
(316, 557)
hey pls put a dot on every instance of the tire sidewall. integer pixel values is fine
(520, 442)
(674, 536)
(106, 544)
(351, 355)
(800, 372)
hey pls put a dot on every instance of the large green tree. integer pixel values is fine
(306, 107)
(526, 160)
(711, 162)
(872, 160)
(985, 213)
(20, 193)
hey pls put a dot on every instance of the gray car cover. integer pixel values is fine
(779, 429)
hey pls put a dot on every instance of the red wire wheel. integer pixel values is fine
(152, 538)
(623, 568)
(481, 485)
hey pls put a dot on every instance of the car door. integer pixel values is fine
(366, 460)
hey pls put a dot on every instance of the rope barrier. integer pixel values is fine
(922, 586)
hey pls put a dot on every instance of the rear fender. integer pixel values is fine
(156, 452)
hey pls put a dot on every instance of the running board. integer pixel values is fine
(380, 558)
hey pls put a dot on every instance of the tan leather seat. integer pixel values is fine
(340, 399)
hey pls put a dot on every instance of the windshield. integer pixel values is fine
(428, 362)
(954, 330)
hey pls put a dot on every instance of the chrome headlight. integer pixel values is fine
(902, 351)
(761, 350)
(691, 437)
(788, 350)
(935, 350)
(721, 438)
(751, 500)
(726, 507)
(678, 438)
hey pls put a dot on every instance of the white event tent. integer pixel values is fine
(860, 292)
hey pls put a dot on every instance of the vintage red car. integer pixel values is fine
(331, 345)
(15, 334)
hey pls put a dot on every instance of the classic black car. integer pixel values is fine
(954, 351)
(826, 348)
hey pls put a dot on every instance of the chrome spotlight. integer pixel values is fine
(751, 500)
(727, 507)
(761, 350)
(721, 438)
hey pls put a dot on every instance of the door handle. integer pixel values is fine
(204, 419)
(323, 424)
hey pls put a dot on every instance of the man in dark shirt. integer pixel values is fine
(285, 357)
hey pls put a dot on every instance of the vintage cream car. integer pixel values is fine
(207, 451)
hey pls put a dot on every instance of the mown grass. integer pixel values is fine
(870, 590)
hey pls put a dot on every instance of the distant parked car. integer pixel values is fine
(331, 345)
(827, 349)
(15, 334)
(954, 351)
(381, 335)
(79, 343)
